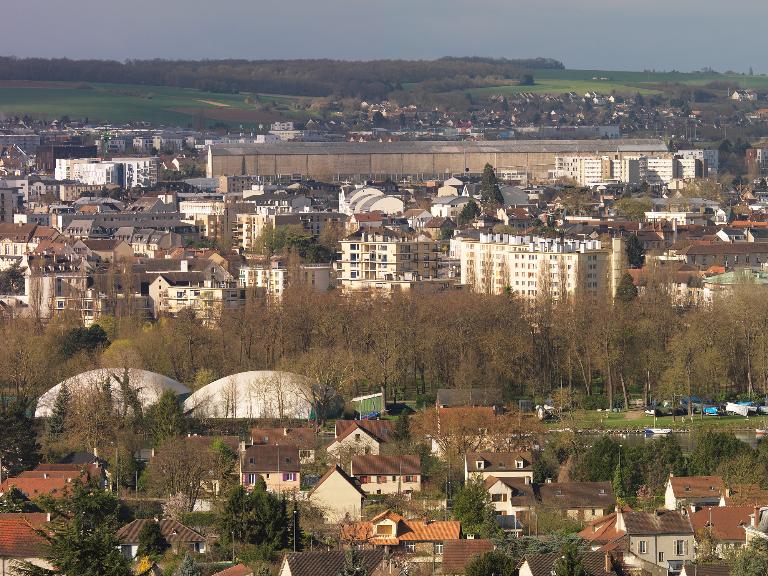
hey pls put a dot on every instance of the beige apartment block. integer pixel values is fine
(371, 257)
(526, 265)
(276, 275)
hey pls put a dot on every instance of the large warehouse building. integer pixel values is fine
(420, 160)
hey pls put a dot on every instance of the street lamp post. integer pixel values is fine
(294, 526)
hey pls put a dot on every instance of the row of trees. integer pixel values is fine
(293, 77)
(600, 349)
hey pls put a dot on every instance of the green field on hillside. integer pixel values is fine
(122, 103)
(622, 82)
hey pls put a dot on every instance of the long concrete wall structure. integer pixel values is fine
(351, 160)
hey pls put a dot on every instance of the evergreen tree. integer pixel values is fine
(569, 564)
(618, 482)
(152, 543)
(255, 517)
(493, 563)
(469, 212)
(402, 431)
(490, 193)
(626, 291)
(167, 418)
(472, 507)
(18, 442)
(58, 417)
(635, 252)
(81, 540)
(188, 567)
(13, 501)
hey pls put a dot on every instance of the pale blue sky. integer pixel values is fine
(618, 34)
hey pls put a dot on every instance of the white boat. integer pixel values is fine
(739, 409)
(658, 431)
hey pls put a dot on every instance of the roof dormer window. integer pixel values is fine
(519, 464)
(480, 464)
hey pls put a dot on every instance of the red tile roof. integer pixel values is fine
(458, 553)
(18, 538)
(236, 570)
(304, 438)
(726, 522)
(34, 487)
(407, 530)
(381, 430)
(697, 486)
(373, 464)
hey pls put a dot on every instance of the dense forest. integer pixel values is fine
(364, 79)
(605, 351)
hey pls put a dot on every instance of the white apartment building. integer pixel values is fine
(710, 159)
(90, 171)
(525, 265)
(585, 170)
(139, 172)
(277, 276)
(124, 172)
(658, 171)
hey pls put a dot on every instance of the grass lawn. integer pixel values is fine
(622, 82)
(593, 420)
(122, 103)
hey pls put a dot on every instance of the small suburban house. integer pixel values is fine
(387, 474)
(458, 553)
(481, 465)
(278, 466)
(19, 542)
(661, 539)
(339, 496)
(684, 491)
(725, 524)
(303, 438)
(179, 537)
(514, 502)
(332, 563)
(360, 436)
(421, 540)
(580, 500)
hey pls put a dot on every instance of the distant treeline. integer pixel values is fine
(365, 79)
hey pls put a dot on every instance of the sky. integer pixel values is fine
(680, 35)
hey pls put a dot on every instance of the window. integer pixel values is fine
(642, 547)
(661, 556)
(305, 453)
(439, 548)
(410, 546)
(357, 437)
(251, 478)
(409, 478)
(519, 464)
(384, 529)
(289, 476)
(179, 294)
(382, 479)
(480, 464)
(680, 547)
(498, 497)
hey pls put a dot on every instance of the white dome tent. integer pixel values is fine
(255, 394)
(149, 386)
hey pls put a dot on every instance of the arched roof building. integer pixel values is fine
(149, 386)
(255, 394)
